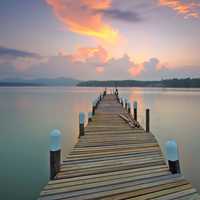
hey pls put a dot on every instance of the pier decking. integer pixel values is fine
(116, 161)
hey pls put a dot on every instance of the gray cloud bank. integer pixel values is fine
(114, 68)
(4, 52)
(122, 15)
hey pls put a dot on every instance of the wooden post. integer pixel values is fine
(97, 101)
(121, 101)
(173, 157)
(129, 107)
(105, 92)
(125, 103)
(81, 123)
(89, 116)
(135, 110)
(55, 152)
(93, 107)
(147, 120)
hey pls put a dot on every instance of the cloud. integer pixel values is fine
(93, 63)
(14, 53)
(136, 70)
(189, 8)
(88, 54)
(127, 16)
(15, 60)
(85, 63)
(100, 70)
(150, 68)
(79, 17)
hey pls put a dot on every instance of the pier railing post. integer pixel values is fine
(89, 116)
(55, 152)
(147, 120)
(125, 101)
(129, 107)
(96, 103)
(105, 92)
(135, 110)
(173, 157)
(81, 123)
(121, 102)
(93, 107)
(100, 97)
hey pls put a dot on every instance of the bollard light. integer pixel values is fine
(55, 140)
(55, 152)
(173, 156)
(81, 123)
(82, 118)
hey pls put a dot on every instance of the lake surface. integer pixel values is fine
(27, 115)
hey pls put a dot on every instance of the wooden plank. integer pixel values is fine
(115, 160)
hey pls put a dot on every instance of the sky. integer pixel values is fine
(100, 39)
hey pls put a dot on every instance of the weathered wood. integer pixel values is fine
(116, 159)
(147, 120)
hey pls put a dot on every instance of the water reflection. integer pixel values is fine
(174, 114)
(135, 95)
(27, 115)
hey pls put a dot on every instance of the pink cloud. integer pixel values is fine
(83, 54)
(100, 70)
(136, 70)
(79, 17)
(187, 8)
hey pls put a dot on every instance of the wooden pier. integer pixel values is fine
(116, 160)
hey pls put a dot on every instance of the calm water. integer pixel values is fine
(27, 115)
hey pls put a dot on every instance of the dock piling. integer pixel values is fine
(173, 157)
(129, 107)
(55, 152)
(93, 107)
(147, 120)
(100, 97)
(89, 116)
(125, 101)
(121, 101)
(135, 110)
(81, 123)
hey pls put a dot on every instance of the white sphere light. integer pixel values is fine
(172, 150)
(55, 140)
(81, 118)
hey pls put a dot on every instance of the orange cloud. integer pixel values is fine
(136, 70)
(188, 8)
(83, 54)
(100, 70)
(80, 17)
(152, 65)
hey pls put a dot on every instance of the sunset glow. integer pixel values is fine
(188, 8)
(99, 70)
(100, 39)
(86, 21)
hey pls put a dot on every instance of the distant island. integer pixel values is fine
(173, 83)
(38, 82)
(51, 82)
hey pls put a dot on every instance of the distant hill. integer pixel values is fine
(175, 83)
(39, 82)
